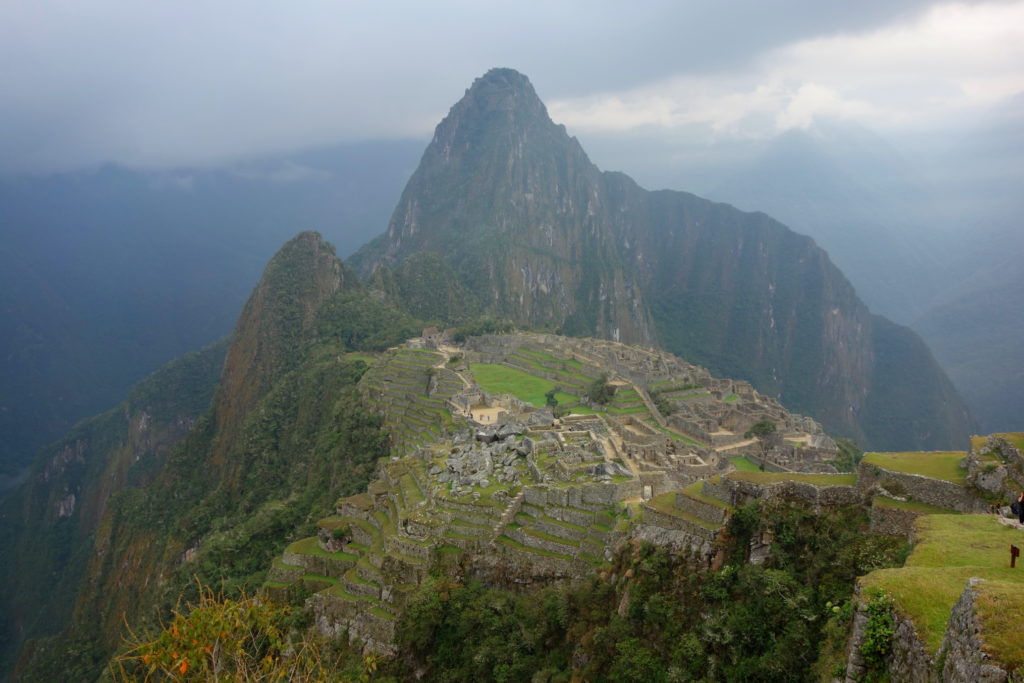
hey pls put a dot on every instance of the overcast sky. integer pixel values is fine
(157, 84)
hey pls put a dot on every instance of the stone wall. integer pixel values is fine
(892, 522)
(937, 492)
(812, 494)
(909, 661)
(962, 649)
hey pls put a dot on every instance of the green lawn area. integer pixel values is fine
(951, 549)
(775, 477)
(731, 398)
(744, 464)
(935, 464)
(501, 379)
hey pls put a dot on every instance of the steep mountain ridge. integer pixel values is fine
(540, 236)
(47, 526)
(284, 435)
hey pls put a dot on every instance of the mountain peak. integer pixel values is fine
(500, 99)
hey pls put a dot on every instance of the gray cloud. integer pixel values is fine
(192, 83)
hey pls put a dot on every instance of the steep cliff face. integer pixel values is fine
(47, 527)
(536, 233)
(514, 206)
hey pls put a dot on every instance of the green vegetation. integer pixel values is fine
(237, 639)
(483, 325)
(999, 606)
(950, 549)
(744, 464)
(600, 392)
(671, 619)
(943, 465)
(502, 379)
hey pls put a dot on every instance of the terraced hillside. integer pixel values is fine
(484, 474)
(485, 479)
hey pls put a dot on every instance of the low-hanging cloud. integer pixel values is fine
(191, 82)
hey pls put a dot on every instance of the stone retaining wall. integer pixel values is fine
(962, 647)
(698, 508)
(892, 522)
(812, 494)
(653, 517)
(937, 492)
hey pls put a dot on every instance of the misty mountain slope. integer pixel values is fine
(979, 339)
(48, 525)
(860, 202)
(542, 237)
(284, 434)
(106, 274)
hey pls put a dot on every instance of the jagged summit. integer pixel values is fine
(503, 90)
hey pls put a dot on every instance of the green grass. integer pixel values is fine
(943, 465)
(502, 379)
(951, 549)
(505, 540)
(694, 491)
(731, 398)
(910, 506)
(666, 504)
(775, 477)
(674, 434)
(999, 606)
(537, 533)
(744, 464)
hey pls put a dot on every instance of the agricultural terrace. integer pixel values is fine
(950, 550)
(943, 465)
(744, 464)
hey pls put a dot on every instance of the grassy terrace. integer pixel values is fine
(744, 464)
(506, 541)
(775, 477)
(951, 549)
(694, 491)
(909, 506)
(502, 379)
(943, 465)
(548, 359)
(666, 504)
(651, 422)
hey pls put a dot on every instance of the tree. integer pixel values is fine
(766, 434)
(601, 392)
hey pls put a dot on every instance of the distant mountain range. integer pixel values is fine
(107, 274)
